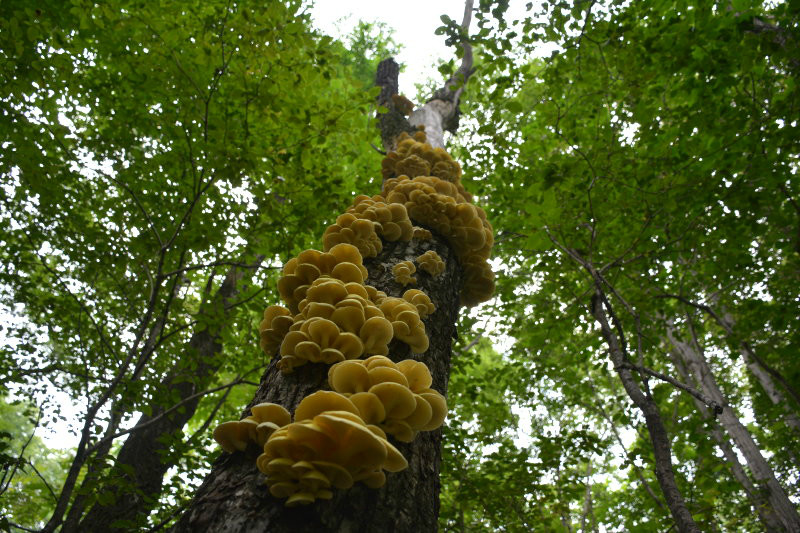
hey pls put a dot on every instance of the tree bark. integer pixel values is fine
(234, 498)
(143, 460)
(779, 504)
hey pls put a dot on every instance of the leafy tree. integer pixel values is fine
(158, 161)
(645, 193)
(161, 162)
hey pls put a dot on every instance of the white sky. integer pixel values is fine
(414, 22)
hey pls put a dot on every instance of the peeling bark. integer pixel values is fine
(779, 505)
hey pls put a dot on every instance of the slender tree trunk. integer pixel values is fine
(762, 472)
(143, 460)
(760, 505)
(588, 512)
(234, 498)
(658, 434)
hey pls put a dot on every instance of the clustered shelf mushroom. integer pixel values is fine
(431, 263)
(329, 445)
(403, 273)
(338, 438)
(395, 396)
(428, 183)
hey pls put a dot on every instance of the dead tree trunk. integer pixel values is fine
(765, 514)
(234, 496)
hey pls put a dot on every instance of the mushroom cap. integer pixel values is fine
(395, 462)
(271, 412)
(310, 440)
(349, 377)
(398, 401)
(418, 340)
(349, 318)
(348, 272)
(278, 445)
(331, 356)
(417, 373)
(322, 401)
(376, 332)
(421, 415)
(300, 498)
(375, 479)
(378, 360)
(346, 253)
(326, 290)
(370, 407)
(247, 426)
(316, 309)
(231, 436)
(292, 339)
(385, 374)
(439, 409)
(337, 474)
(309, 351)
(400, 429)
(350, 345)
(282, 489)
(358, 446)
(264, 430)
(321, 331)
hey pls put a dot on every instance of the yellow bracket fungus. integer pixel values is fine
(427, 182)
(257, 428)
(422, 234)
(395, 396)
(403, 273)
(441, 206)
(356, 231)
(366, 221)
(338, 437)
(342, 261)
(406, 323)
(337, 321)
(414, 157)
(327, 446)
(274, 326)
(421, 301)
(431, 262)
(391, 219)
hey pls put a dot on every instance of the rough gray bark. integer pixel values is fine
(234, 498)
(780, 506)
(144, 453)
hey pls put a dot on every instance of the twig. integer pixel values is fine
(168, 411)
(714, 406)
(21, 456)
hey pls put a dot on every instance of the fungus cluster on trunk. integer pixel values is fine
(340, 437)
